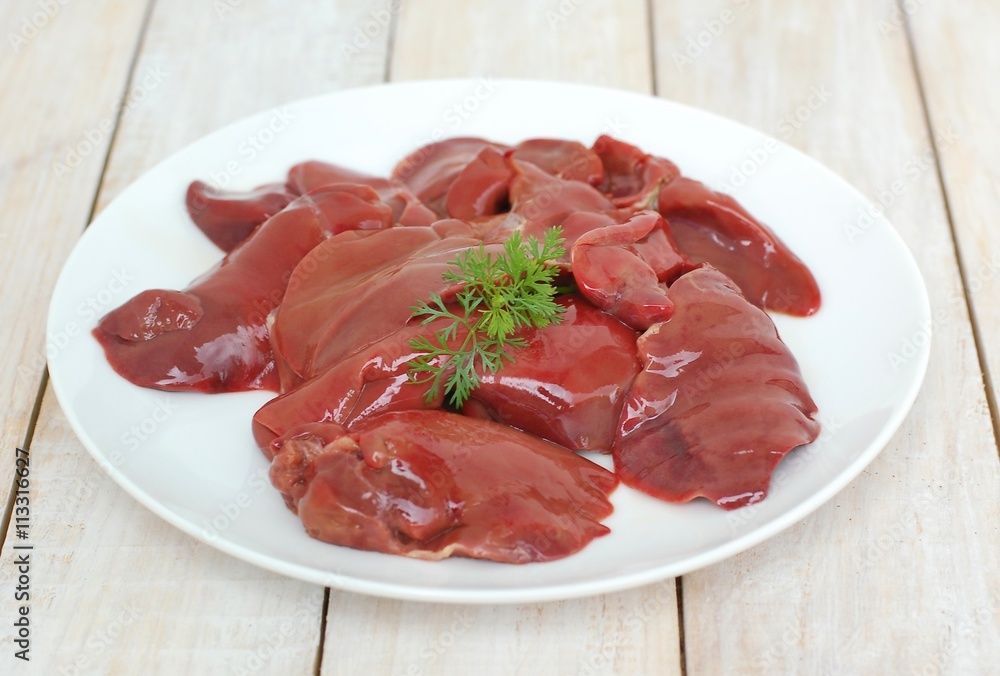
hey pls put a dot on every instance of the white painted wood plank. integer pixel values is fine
(958, 58)
(901, 571)
(54, 112)
(221, 61)
(593, 42)
(627, 633)
(116, 590)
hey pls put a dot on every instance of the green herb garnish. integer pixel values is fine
(501, 294)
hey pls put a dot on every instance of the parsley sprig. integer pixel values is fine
(500, 294)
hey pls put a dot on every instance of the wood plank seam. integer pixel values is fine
(762, 611)
(679, 580)
(25, 445)
(140, 41)
(651, 27)
(213, 634)
(43, 378)
(970, 307)
(394, 7)
(318, 664)
(679, 593)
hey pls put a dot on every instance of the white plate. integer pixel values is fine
(190, 458)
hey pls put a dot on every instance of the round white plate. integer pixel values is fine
(190, 458)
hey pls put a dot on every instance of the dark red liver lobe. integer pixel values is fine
(352, 291)
(431, 484)
(481, 188)
(224, 346)
(372, 381)
(710, 227)
(568, 384)
(312, 174)
(539, 200)
(718, 404)
(623, 268)
(430, 170)
(228, 218)
(407, 209)
(632, 178)
(153, 313)
(563, 159)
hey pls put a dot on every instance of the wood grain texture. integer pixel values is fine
(57, 116)
(600, 43)
(221, 61)
(115, 589)
(626, 633)
(958, 58)
(901, 568)
(899, 573)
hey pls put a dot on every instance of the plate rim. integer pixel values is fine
(410, 592)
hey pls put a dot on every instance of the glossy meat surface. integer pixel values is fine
(632, 178)
(719, 402)
(545, 390)
(351, 291)
(316, 298)
(430, 170)
(470, 178)
(370, 382)
(539, 200)
(311, 174)
(711, 227)
(431, 484)
(225, 346)
(623, 268)
(228, 218)
(563, 159)
(481, 188)
(545, 200)
(407, 209)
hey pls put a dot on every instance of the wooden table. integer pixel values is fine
(900, 573)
